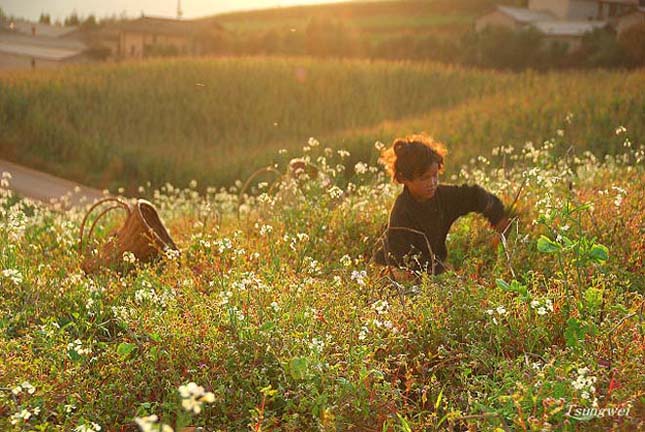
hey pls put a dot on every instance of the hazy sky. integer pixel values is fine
(192, 8)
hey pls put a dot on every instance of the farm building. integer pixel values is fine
(32, 45)
(152, 36)
(512, 18)
(567, 33)
(566, 21)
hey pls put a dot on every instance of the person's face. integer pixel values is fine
(424, 187)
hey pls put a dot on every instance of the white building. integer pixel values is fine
(24, 44)
(565, 21)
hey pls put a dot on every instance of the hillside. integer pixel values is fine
(379, 19)
(215, 121)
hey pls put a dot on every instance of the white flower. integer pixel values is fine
(87, 427)
(275, 306)
(346, 260)
(313, 142)
(335, 192)
(13, 275)
(22, 415)
(535, 304)
(149, 424)
(28, 387)
(360, 168)
(381, 306)
(128, 257)
(172, 254)
(541, 311)
(317, 345)
(265, 229)
(224, 297)
(379, 145)
(343, 153)
(501, 310)
(620, 129)
(77, 347)
(193, 396)
(359, 277)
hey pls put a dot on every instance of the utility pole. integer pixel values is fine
(179, 11)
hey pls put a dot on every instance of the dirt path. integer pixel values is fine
(43, 187)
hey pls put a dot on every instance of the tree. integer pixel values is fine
(631, 40)
(45, 19)
(90, 22)
(72, 20)
(601, 49)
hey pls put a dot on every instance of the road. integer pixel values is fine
(43, 187)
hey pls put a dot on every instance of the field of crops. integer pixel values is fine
(217, 120)
(392, 17)
(272, 317)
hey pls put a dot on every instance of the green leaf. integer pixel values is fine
(519, 288)
(125, 349)
(514, 286)
(503, 285)
(155, 337)
(599, 253)
(267, 326)
(546, 245)
(298, 367)
(404, 423)
(593, 298)
(438, 402)
(574, 332)
(73, 355)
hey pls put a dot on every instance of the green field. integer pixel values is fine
(218, 120)
(274, 308)
(373, 22)
(273, 304)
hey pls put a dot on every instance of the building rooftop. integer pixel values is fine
(568, 28)
(524, 15)
(25, 27)
(43, 48)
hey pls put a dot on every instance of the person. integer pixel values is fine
(421, 217)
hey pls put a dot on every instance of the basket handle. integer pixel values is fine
(119, 204)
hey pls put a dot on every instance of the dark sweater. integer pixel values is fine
(433, 217)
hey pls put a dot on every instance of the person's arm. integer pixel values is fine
(461, 200)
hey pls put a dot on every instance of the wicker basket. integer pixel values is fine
(143, 234)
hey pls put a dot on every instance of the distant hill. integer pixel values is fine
(380, 18)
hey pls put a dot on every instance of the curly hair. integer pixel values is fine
(411, 156)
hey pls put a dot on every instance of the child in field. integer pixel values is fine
(425, 210)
